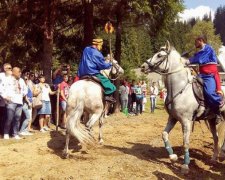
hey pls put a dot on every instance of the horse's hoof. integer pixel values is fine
(222, 156)
(221, 159)
(101, 142)
(184, 169)
(173, 157)
(65, 155)
(213, 160)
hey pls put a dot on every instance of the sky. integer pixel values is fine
(198, 8)
(213, 4)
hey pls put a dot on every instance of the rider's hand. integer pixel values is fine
(187, 62)
(220, 93)
(29, 105)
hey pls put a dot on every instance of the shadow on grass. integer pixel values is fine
(161, 175)
(158, 154)
(57, 143)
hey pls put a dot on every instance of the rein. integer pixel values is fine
(177, 94)
(110, 73)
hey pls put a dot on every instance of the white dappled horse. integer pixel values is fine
(86, 100)
(181, 103)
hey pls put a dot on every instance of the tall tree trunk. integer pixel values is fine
(88, 22)
(47, 59)
(116, 107)
(48, 39)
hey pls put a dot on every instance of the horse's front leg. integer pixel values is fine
(165, 135)
(186, 127)
(212, 126)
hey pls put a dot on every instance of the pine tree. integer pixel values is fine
(219, 22)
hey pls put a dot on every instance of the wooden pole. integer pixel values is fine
(110, 46)
(57, 111)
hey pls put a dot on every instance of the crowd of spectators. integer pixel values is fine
(18, 91)
(133, 97)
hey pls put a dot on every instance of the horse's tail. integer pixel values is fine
(75, 128)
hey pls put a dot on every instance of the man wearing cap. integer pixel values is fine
(92, 62)
(207, 60)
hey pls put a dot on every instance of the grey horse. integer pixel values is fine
(85, 101)
(181, 103)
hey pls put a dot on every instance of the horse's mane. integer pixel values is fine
(172, 48)
(183, 59)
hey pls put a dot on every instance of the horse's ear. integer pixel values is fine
(168, 45)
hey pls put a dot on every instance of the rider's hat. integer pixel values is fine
(97, 41)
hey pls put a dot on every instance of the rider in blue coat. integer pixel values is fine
(207, 60)
(92, 62)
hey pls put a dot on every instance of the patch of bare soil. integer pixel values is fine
(133, 149)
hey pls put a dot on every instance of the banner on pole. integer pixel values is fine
(109, 28)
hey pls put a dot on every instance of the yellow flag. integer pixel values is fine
(109, 28)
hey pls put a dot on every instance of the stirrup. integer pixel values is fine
(219, 118)
(200, 111)
(110, 99)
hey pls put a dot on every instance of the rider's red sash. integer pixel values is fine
(211, 69)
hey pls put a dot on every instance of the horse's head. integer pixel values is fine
(145, 67)
(161, 61)
(116, 70)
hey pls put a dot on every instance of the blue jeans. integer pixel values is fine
(153, 103)
(139, 103)
(27, 113)
(14, 112)
(63, 105)
(124, 103)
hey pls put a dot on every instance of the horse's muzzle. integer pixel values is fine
(142, 69)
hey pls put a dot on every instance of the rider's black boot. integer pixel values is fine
(110, 99)
(219, 117)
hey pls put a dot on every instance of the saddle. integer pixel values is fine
(97, 81)
(94, 79)
(197, 86)
(91, 78)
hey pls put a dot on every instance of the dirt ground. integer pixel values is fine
(133, 149)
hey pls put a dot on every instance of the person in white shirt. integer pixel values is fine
(7, 72)
(154, 91)
(144, 91)
(14, 91)
(45, 111)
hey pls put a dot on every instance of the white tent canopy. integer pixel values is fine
(221, 57)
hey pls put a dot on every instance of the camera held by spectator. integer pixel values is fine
(58, 73)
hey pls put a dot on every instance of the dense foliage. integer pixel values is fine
(26, 26)
(43, 34)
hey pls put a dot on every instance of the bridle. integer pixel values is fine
(114, 65)
(153, 67)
